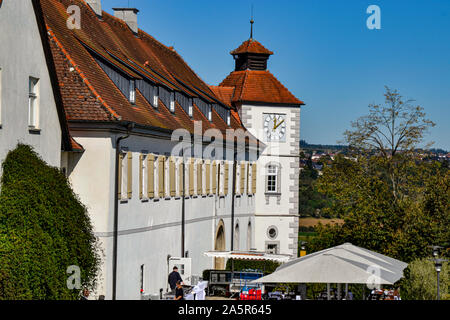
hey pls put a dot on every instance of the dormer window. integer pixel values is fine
(132, 91)
(228, 119)
(155, 101)
(172, 102)
(191, 109)
(210, 113)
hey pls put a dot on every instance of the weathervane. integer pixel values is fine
(251, 25)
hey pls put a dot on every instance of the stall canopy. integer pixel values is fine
(342, 264)
(249, 255)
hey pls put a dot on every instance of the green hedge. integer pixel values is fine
(43, 229)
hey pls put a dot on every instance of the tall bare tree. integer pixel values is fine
(391, 129)
(397, 126)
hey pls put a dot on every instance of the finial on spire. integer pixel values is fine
(251, 25)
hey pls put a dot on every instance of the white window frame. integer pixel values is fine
(272, 184)
(124, 186)
(33, 103)
(144, 173)
(172, 102)
(133, 91)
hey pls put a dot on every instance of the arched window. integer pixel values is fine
(236, 238)
(249, 235)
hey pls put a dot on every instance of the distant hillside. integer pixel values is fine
(321, 147)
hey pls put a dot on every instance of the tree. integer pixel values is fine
(391, 202)
(44, 229)
(392, 130)
(421, 281)
(311, 201)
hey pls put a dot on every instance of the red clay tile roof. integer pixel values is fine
(88, 94)
(258, 86)
(225, 94)
(251, 46)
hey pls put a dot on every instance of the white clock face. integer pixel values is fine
(274, 127)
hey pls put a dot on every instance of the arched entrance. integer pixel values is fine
(219, 245)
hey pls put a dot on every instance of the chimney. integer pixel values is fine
(129, 15)
(95, 5)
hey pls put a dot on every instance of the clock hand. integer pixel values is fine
(274, 123)
(278, 125)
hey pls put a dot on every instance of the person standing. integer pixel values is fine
(174, 277)
(179, 294)
(85, 294)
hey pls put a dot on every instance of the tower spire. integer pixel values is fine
(251, 25)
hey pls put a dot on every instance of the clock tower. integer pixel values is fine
(272, 114)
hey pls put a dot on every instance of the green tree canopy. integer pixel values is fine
(44, 229)
(391, 201)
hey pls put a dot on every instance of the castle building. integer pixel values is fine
(168, 167)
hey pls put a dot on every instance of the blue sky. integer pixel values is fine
(324, 53)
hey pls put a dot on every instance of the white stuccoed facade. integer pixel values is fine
(280, 210)
(21, 57)
(149, 230)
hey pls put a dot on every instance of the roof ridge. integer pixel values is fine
(81, 74)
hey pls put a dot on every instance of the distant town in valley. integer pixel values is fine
(322, 153)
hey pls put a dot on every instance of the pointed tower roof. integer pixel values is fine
(251, 46)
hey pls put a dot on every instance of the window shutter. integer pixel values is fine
(199, 178)
(180, 178)
(225, 176)
(161, 164)
(254, 178)
(151, 176)
(120, 167)
(191, 177)
(130, 175)
(214, 178)
(172, 184)
(242, 183)
(208, 177)
(247, 182)
(141, 176)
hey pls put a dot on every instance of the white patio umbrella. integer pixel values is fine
(342, 264)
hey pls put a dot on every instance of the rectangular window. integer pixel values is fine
(172, 102)
(272, 175)
(151, 176)
(228, 119)
(132, 91)
(33, 102)
(155, 101)
(143, 176)
(125, 170)
(272, 248)
(191, 111)
(210, 113)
